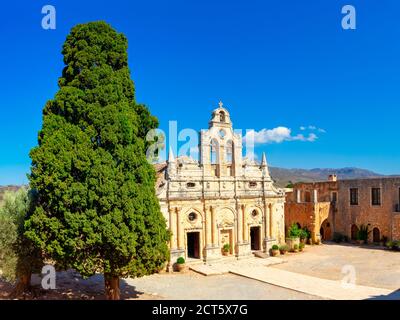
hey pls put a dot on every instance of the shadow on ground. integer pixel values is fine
(71, 286)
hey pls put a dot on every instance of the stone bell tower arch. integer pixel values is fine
(220, 147)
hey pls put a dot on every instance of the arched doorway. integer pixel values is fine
(326, 230)
(376, 234)
(354, 232)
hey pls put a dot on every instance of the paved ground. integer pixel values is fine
(226, 265)
(193, 286)
(309, 273)
(374, 267)
(329, 289)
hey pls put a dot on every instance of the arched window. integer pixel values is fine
(222, 116)
(213, 151)
(229, 152)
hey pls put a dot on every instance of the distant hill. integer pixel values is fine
(3, 189)
(284, 176)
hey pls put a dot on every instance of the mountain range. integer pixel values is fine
(283, 176)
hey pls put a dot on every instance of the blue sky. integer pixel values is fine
(273, 63)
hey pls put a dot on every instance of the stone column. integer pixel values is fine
(209, 237)
(214, 227)
(298, 195)
(315, 196)
(180, 235)
(245, 231)
(271, 219)
(173, 227)
(239, 224)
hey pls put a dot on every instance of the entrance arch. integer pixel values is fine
(354, 231)
(326, 230)
(376, 234)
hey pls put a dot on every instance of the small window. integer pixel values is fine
(307, 196)
(253, 184)
(192, 216)
(353, 196)
(334, 197)
(190, 185)
(254, 213)
(222, 116)
(376, 196)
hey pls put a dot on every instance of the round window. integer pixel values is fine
(192, 216)
(254, 213)
(221, 133)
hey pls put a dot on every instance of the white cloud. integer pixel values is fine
(276, 135)
(312, 128)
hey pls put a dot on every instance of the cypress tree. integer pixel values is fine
(97, 210)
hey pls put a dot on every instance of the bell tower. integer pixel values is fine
(220, 147)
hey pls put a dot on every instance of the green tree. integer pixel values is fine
(19, 258)
(97, 210)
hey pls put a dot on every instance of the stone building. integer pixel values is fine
(344, 205)
(221, 198)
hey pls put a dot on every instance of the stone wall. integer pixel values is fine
(381, 216)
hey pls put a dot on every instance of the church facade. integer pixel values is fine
(221, 199)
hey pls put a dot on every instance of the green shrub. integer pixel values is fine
(389, 245)
(294, 231)
(284, 248)
(275, 247)
(180, 260)
(304, 234)
(363, 233)
(226, 247)
(19, 258)
(295, 247)
(301, 246)
(338, 237)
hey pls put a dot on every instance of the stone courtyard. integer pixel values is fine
(313, 274)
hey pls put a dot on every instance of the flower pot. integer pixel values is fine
(282, 252)
(360, 242)
(180, 267)
(274, 253)
(225, 253)
(292, 241)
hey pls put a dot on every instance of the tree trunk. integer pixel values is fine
(112, 287)
(23, 285)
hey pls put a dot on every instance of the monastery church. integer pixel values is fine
(221, 198)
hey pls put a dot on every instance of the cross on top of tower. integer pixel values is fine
(220, 104)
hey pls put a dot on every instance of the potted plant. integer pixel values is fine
(283, 249)
(338, 237)
(301, 246)
(295, 248)
(304, 235)
(362, 234)
(275, 250)
(383, 241)
(225, 249)
(293, 236)
(180, 264)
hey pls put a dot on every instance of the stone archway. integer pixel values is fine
(376, 235)
(326, 230)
